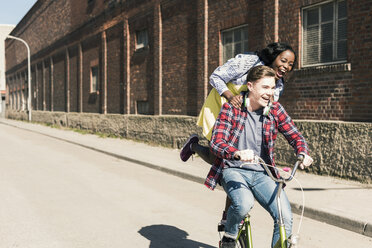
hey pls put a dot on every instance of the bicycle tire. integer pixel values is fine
(242, 241)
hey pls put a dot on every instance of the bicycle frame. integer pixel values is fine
(282, 242)
(245, 228)
(248, 232)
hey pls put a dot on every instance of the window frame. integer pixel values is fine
(335, 21)
(242, 41)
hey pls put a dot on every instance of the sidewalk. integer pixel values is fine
(338, 202)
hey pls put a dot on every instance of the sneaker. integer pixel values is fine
(186, 151)
(227, 242)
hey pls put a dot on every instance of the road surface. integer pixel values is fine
(56, 194)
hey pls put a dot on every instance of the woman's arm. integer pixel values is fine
(233, 69)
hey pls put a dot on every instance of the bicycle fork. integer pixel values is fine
(282, 242)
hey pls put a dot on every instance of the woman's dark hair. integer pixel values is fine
(269, 53)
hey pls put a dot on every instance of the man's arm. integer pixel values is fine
(290, 131)
(222, 132)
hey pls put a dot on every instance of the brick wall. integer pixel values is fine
(59, 83)
(34, 86)
(91, 53)
(334, 92)
(114, 69)
(229, 14)
(171, 74)
(315, 94)
(360, 54)
(73, 79)
(47, 22)
(141, 63)
(179, 57)
(40, 88)
(47, 85)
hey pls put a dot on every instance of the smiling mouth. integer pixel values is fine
(280, 73)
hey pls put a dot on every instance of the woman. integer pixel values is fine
(228, 81)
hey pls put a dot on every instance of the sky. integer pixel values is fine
(12, 11)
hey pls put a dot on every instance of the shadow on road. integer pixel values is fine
(164, 236)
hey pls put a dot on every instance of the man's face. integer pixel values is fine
(261, 92)
(283, 63)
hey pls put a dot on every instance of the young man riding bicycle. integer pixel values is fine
(241, 134)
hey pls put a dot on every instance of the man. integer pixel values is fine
(241, 134)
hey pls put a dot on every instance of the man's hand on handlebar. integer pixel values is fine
(244, 155)
(306, 162)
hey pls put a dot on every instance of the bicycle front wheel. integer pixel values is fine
(242, 241)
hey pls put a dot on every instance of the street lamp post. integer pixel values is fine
(29, 73)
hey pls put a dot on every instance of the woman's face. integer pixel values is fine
(283, 63)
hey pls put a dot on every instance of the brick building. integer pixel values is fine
(155, 56)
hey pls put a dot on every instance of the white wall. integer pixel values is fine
(5, 29)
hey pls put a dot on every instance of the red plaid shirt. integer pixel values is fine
(230, 124)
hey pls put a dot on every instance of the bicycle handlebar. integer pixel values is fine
(258, 159)
(300, 158)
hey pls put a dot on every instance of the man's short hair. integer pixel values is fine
(259, 72)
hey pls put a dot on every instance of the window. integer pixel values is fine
(94, 79)
(324, 33)
(141, 39)
(234, 41)
(111, 3)
(143, 107)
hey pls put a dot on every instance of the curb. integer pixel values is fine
(323, 216)
(335, 220)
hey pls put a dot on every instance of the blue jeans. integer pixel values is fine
(243, 186)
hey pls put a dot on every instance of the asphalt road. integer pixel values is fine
(56, 194)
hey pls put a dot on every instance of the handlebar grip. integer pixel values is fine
(300, 158)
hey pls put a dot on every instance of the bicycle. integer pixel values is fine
(244, 238)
